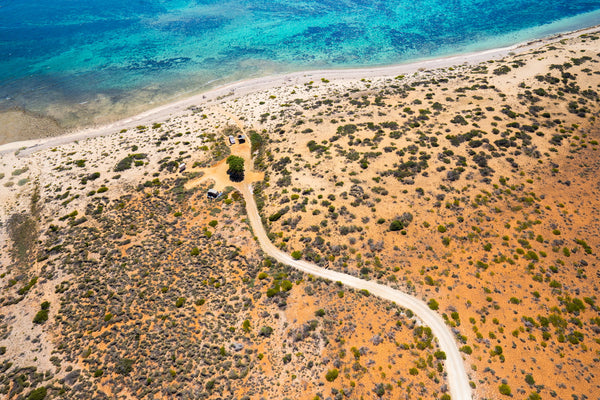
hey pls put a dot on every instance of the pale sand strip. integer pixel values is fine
(245, 87)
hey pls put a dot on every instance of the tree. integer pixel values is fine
(236, 168)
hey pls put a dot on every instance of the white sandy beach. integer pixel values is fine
(277, 84)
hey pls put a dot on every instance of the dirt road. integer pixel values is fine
(458, 380)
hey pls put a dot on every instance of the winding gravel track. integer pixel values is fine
(458, 380)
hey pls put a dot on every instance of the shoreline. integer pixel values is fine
(244, 87)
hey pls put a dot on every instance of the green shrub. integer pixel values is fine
(153, 183)
(396, 226)
(529, 379)
(246, 326)
(265, 331)
(180, 302)
(124, 366)
(40, 317)
(585, 246)
(379, 389)
(37, 394)
(297, 255)
(274, 217)
(28, 286)
(124, 164)
(504, 389)
(434, 305)
(331, 375)
(459, 119)
(503, 70)
(20, 171)
(320, 312)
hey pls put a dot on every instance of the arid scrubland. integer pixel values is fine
(473, 187)
(120, 283)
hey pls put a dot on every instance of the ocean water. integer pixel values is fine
(90, 61)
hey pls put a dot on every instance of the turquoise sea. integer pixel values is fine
(93, 60)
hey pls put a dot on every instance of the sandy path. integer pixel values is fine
(455, 368)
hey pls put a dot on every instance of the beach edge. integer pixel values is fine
(247, 86)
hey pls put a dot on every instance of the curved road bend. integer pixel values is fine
(455, 368)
